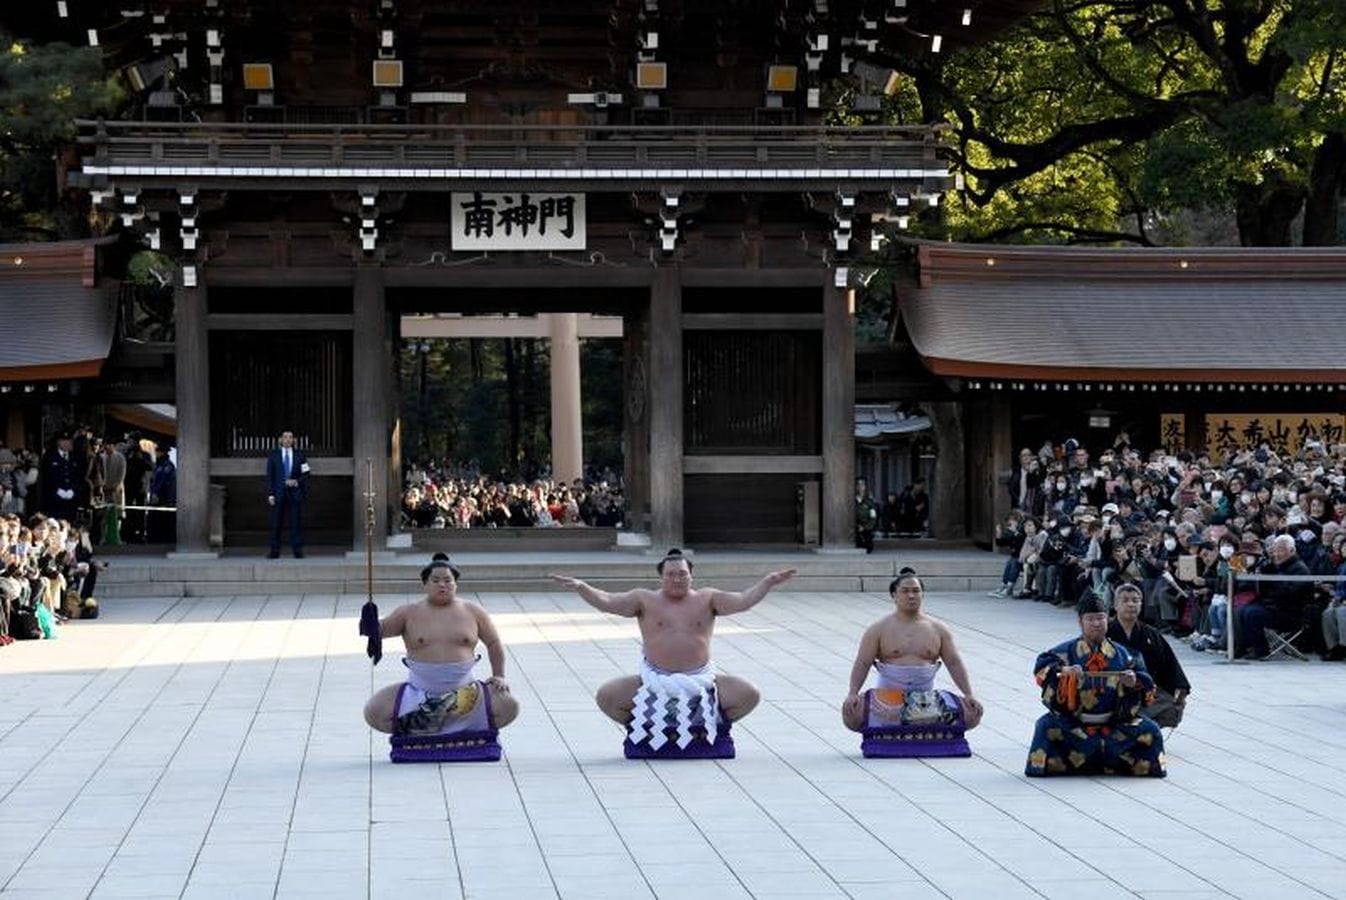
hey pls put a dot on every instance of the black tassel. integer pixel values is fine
(371, 628)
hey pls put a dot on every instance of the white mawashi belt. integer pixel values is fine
(689, 692)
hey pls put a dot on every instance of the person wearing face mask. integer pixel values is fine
(1220, 501)
(1091, 489)
(1212, 635)
(1247, 504)
(1155, 557)
(1060, 498)
(1059, 555)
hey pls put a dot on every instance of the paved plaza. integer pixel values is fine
(213, 747)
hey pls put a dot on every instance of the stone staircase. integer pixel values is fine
(944, 570)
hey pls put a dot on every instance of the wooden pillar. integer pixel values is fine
(665, 411)
(636, 420)
(371, 369)
(948, 493)
(191, 365)
(838, 438)
(393, 504)
(567, 434)
(1003, 455)
(15, 431)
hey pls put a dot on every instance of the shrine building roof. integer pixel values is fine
(1064, 314)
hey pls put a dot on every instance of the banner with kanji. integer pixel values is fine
(1284, 433)
(1173, 432)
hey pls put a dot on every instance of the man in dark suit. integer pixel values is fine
(287, 473)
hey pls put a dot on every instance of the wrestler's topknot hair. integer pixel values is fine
(902, 575)
(673, 555)
(439, 561)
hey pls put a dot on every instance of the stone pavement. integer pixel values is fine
(213, 747)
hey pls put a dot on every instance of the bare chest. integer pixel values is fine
(909, 641)
(690, 615)
(431, 626)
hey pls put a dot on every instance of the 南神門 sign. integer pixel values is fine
(518, 220)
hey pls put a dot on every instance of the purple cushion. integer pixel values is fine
(467, 746)
(914, 741)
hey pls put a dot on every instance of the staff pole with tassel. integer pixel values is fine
(370, 626)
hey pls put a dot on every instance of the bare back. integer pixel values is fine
(676, 633)
(910, 642)
(436, 633)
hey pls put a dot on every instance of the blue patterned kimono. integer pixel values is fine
(1098, 728)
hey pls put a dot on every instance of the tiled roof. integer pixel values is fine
(1071, 322)
(53, 329)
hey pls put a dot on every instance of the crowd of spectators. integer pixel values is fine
(47, 575)
(58, 508)
(1178, 525)
(449, 495)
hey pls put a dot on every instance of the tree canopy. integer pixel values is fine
(1126, 120)
(43, 89)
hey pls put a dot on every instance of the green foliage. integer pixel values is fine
(459, 402)
(43, 89)
(1095, 119)
(150, 268)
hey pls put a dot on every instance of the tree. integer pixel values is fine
(43, 89)
(1102, 120)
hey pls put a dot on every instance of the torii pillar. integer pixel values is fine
(567, 436)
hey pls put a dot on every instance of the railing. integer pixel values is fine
(285, 145)
(1235, 579)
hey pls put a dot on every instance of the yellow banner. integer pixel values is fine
(1284, 433)
(1173, 432)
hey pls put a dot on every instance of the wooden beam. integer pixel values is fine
(301, 276)
(278, 321)
(752, 322)
(515, 277)
(590, 326)
(752, 465)
(782, 278)
(229, 466)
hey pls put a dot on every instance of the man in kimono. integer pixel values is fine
(1170, 681)
(1094, 690)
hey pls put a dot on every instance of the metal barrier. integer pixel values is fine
(1234, 578)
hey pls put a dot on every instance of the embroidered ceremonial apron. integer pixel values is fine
(907, 695)
(441, 698)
